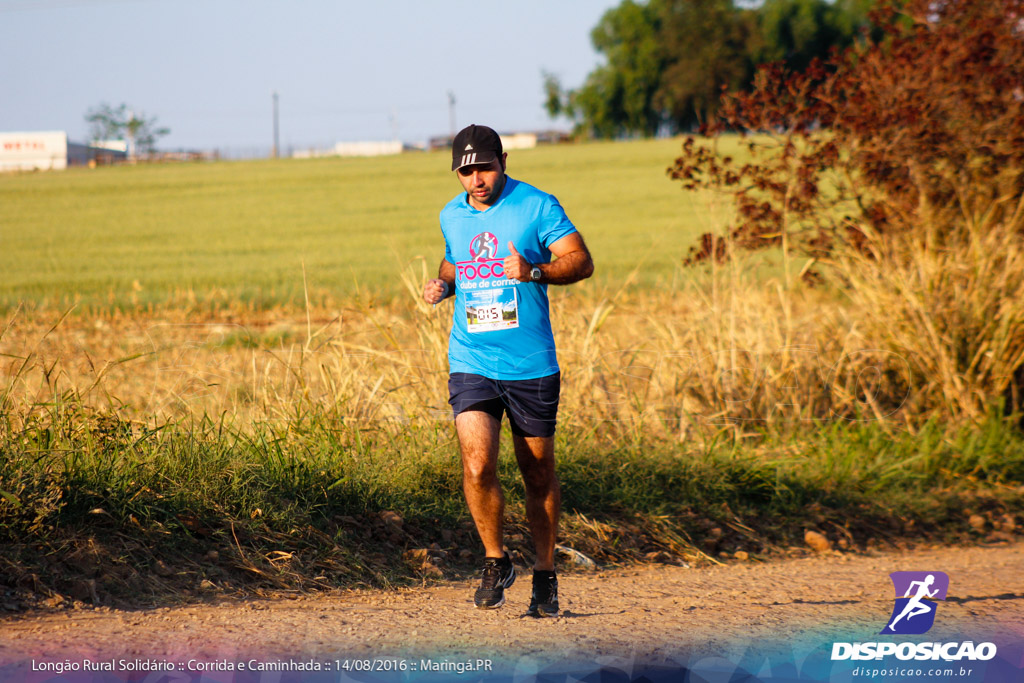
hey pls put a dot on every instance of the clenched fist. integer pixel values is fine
(435, 291)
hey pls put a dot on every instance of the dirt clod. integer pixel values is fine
(817, 541)
(659, 556)
(53, 601)
(391, 518)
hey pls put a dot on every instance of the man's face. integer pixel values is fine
(483, 182)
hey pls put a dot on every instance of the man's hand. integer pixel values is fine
(572, 263)
(516, 267)
(435, 291)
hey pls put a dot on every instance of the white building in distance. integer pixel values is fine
(49, 151)
(44, 151)
(368, 148)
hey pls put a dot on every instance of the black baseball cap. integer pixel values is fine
(475, 145)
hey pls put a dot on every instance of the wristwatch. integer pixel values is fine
(535, 274)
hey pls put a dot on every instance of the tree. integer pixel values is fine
(121, 123)
(795, 31)
(555, 103)
(617, 99)
(798, 31)
(706, 47)
(668, 61)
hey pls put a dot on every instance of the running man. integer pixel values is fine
(914, 606)
(500, 236)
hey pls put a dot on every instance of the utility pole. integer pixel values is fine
(451, 112)
(274, 150)
(131, 128)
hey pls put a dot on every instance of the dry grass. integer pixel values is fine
(918, 336)
(956, 310)
(706, 357)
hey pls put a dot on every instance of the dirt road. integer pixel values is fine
(647, 613)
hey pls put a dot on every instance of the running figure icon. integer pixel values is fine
(915, 606)
(483, 247)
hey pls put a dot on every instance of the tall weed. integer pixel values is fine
(956, 313)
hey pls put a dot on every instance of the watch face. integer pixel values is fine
(535, 273)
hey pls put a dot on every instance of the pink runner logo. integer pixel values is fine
(483, 247)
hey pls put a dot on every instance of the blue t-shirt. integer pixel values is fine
(500, 326)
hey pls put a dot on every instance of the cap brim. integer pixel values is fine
(473, 159)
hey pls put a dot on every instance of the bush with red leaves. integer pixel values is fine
(921, 131)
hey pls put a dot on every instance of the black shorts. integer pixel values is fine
(531, 404)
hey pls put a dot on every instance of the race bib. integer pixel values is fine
(492, 309)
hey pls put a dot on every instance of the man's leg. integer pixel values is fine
(536, 457)
(478, 440)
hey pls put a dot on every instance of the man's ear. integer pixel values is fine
(504, 157)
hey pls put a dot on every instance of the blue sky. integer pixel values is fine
(343, 70)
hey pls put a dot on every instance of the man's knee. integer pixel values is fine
(479, 470)
(539, 477)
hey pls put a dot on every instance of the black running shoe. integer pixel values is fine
(499, 574)
(544, 601)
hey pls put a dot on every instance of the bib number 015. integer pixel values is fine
(489, 314)
(492, 309)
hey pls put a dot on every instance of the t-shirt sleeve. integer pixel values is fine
(554, 224)
(447, 247)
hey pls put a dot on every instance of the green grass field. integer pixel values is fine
(244, 230)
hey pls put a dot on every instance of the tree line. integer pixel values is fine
(668, 61)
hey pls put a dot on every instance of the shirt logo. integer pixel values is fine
(916, 593)
(483, 247)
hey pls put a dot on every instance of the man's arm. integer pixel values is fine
(441, 287)
(572, 263)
